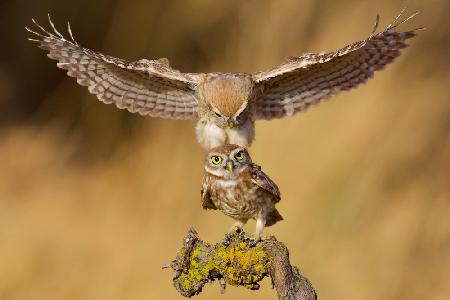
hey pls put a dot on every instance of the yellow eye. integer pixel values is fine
(215, 159)
(239, 155)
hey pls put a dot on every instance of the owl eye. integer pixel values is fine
(239, 155)
(217, 114)
(216, 159)
(240, 114)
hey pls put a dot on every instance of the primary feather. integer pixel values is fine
(306, 80)
(148, 87)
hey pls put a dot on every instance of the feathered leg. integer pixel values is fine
(260, 224)
(239, 224)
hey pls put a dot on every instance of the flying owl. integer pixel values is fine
(226, 105)
(233, 184)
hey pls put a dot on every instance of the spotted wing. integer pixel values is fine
(263, 181)
(147, 87)
(307, 80)
(206, 199)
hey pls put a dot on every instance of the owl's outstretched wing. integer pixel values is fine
(306, 80)
(147, 87)
(263, 181)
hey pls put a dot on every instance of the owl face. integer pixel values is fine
(227, 99)
(224, 121)
(227, 161)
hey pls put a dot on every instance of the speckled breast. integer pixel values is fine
(239, 199)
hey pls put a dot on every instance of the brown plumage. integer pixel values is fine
(236, 186)
(227, 94)
(226, 104)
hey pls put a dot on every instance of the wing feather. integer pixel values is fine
(263, 181)
(206, 197)
(303, 81)
(147, 87)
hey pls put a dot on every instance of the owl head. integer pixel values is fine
(227, 161)
(227, 98)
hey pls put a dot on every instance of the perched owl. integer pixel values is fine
(238, 188)
(226, 105)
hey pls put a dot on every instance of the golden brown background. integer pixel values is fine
(94, 200)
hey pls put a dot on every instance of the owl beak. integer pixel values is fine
(230, 166)
(231, 124)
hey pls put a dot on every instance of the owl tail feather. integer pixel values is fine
(273, 217)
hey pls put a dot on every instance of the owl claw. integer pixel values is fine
(226, 240)
(235, 229)
(254, 242)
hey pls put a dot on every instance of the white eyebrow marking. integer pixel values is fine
(241, 109)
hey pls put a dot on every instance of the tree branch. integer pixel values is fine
(236, 261)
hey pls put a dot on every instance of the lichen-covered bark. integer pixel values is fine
(237, 261)
(287, 280)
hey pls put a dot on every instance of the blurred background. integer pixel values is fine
(94, 200)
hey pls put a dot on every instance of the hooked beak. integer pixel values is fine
(231, 123)
(230, 166)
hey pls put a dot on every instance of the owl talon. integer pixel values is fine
(226, 240)
(237, 227)
(253, 243)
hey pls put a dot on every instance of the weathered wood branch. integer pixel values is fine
(237, 261)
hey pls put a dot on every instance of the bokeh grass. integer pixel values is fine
(94, 200)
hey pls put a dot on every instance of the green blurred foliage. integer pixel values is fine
(93, 200)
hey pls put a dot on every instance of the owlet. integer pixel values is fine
(236, 186)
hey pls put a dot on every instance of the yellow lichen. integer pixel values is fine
(239, 264)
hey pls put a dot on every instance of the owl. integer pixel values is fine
(236, 186)
(226, 105)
